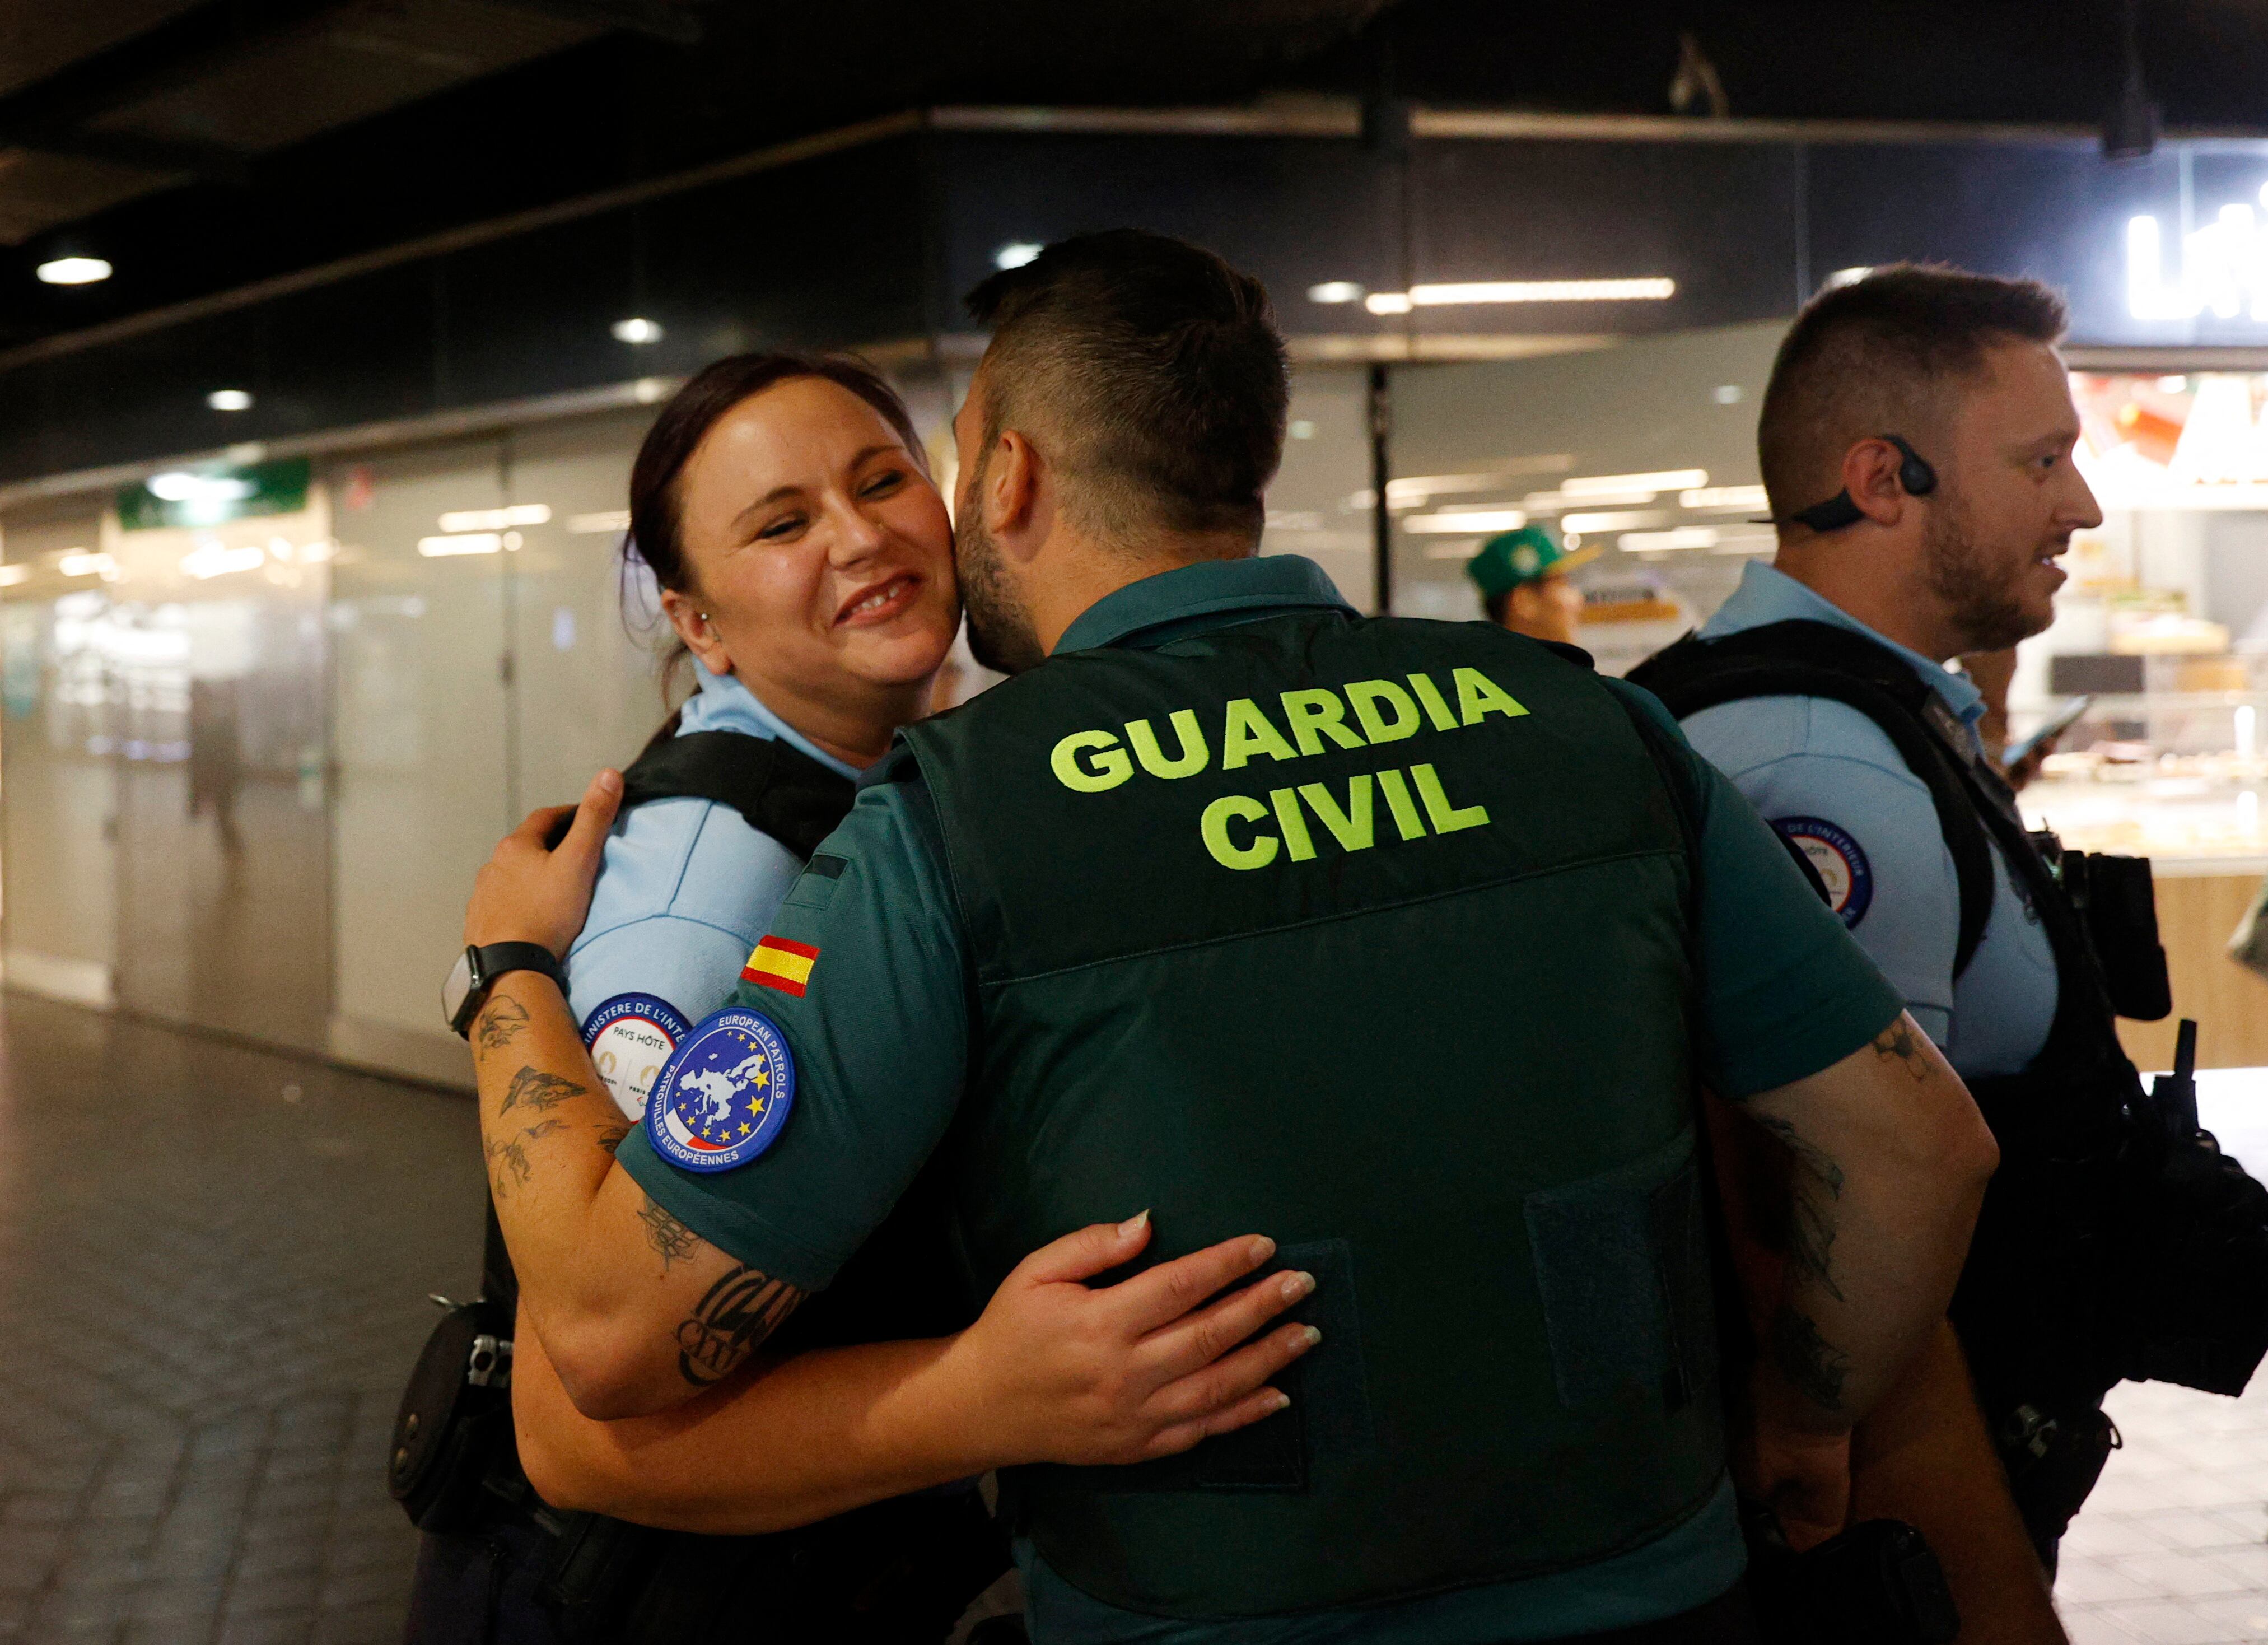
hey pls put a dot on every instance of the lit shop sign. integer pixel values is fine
(2223, 268)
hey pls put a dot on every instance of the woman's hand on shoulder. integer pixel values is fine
(532, 891)
(1069, 1373)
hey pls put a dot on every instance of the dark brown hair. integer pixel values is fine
(656, 509)
(1883, 355)
(1153, 371)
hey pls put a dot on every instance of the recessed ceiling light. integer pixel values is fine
(73, 270)
(1016, 253)
(636, 329)
(1335, 291)
(230, 400)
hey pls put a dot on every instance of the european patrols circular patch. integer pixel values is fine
(1842, 865)
(630, 1037)
(725, 1094)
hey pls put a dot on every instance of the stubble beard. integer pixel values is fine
(1000, 633)
(1980, 592)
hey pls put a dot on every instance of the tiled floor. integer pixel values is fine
(213, 1268)
(2173, 1547)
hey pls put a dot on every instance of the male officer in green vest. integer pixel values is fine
(1406, 942)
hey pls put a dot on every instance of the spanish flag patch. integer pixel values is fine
(779, 964)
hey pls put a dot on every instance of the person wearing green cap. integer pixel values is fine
(1524, 583)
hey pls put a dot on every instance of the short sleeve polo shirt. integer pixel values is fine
(880, 1028)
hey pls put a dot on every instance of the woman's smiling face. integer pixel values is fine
(820, 554)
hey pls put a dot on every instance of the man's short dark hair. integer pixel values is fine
(1886, 354)
(1150, 374)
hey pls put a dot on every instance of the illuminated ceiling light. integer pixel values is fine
(1553, 502)
(180, 486)
(1387, 302)
(73, 270)
(1652, 289)
(1016, 253)
(230, 400)
(81, 563)
(1626, 520)
(1746, 497)
(599, 525)
(1727, 393)
(496, 518)
(10, 575)
(1605, 484)
(1335, 291)
(1681, 537)
(636, 329)
(460, 543)
(1468, 522)
(1849, 276)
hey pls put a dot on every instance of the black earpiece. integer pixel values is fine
(1914, 472)
(1915, 475)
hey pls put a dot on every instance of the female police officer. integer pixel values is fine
(804, 559)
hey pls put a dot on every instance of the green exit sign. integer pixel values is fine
(210, 494)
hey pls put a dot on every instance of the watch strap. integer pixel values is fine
(495, 960)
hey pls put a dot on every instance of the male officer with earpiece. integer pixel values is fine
(1916, 442)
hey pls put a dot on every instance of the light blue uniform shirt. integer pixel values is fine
(1807, 761)
(685, 892)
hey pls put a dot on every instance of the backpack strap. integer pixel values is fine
(1805, 658)
(780, 790)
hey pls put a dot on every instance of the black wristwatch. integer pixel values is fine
(476, 970)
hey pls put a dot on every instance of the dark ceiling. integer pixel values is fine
(204, 144)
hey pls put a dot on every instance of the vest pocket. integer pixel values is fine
(1622, 1266)
(1329, 1414)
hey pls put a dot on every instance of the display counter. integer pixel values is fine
(2198, 818)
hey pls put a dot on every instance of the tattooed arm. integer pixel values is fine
(1887, 1162)
(637, 1311)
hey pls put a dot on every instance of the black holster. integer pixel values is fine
(2052, 1462)
(1877, 1584)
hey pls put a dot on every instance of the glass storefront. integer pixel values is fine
(251, 765)
(1648, 448)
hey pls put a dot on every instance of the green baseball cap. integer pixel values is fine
(1513, 557)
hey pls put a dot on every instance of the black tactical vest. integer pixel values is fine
(2034, 1307)
(1368, 935)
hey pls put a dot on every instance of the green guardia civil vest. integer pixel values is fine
(1370, 935)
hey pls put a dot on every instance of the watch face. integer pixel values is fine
(454, 991)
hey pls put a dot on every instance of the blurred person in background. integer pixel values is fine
(1524, 583)
(1450, 1051)
(782, 503)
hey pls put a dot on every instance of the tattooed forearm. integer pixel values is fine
(1816, 1185)
(501, 1023)
(509, 1165)
(1902, 1046)
(532, 1087)
(1815, 1366)
(738, 1312)
(610, 1137)
(671, 1239)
